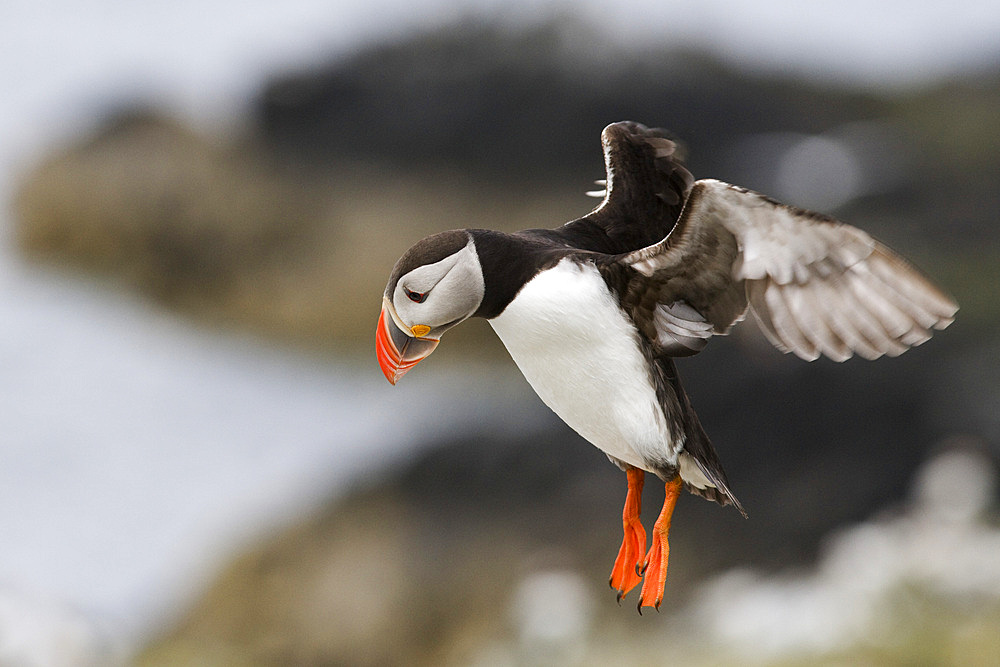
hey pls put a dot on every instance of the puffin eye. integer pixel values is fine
(416, 297)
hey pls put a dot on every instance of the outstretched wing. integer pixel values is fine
(645, 191)
(815, 285)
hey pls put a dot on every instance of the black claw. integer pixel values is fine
(619, 597)
(641, 570)
(638, 607)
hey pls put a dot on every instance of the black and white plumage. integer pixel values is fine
(593, 312)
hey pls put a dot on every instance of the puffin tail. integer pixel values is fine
(719, 490)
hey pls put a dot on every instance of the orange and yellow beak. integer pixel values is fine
(397, 350)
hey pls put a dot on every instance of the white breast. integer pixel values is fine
(580, 354)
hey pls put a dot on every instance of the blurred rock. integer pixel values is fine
(526, 103)
(150, 203)
(447, 559)
(904, 585)
(217, 231)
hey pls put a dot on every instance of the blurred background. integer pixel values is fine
(201, 464)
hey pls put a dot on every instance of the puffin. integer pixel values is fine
(594, 312)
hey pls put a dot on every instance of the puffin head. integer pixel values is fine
(435, 285)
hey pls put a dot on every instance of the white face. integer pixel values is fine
(439, 295)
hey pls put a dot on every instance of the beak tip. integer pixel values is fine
(397, 351)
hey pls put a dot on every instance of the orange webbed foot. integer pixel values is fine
(625, 574)
(655, 564)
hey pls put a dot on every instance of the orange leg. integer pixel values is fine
(625, 574)
(655, 566)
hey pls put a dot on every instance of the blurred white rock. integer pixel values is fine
(941, 544)
(45, 633)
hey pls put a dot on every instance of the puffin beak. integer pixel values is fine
(398, 351)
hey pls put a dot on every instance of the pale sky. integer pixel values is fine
(205, 56)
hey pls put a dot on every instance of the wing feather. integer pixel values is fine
(755, 294)
(815, 285)
(844, 318)
(788, 324)
(644, 191)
